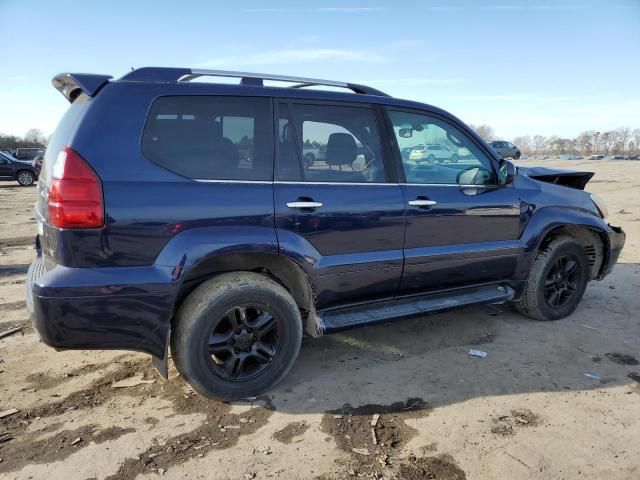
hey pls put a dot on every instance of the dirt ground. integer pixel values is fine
(402, 401)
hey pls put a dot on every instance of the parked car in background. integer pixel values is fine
(596, 157)
(25, 173)
(433, 152)
(569, 157)
(37, 161)
(28, 153)
(505, 149)
(618, 157)
(156, 234)
(633, 157)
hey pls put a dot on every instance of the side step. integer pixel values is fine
(350, 317)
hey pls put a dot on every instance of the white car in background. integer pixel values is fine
(433, 152)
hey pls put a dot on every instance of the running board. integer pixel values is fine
(350, 317)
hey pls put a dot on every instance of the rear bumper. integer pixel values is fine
(616, 238)
(105, 308)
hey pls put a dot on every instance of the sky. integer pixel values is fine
(524, 67)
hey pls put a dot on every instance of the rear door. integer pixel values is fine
(461, 227)
(341, 210)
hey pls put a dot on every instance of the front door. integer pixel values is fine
(333, 202)
(461, 227)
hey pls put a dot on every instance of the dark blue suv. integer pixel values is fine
(189, 215)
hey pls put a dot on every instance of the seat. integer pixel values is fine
(341, 151)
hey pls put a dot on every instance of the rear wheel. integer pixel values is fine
(517, 155)
(25, 178)
(236, 335)
(454, 158)
(557, 281)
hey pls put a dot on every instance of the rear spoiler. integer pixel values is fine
(73, 84)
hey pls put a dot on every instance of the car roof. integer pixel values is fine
(180, 80)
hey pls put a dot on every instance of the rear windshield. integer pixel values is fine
(211, 138)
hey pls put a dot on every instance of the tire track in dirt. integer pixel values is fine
(220, 429)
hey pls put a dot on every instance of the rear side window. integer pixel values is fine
(334, 143)
(211, 138)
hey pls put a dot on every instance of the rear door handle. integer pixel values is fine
(304, 204)
(420, 202)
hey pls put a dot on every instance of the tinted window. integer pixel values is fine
(212, 138)
(338, 144)
(289, 166)
(454, 160)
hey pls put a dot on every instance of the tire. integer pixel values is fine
(454, 158)
(205, 314)
(538, 299)
(431, 158)
(517, 155)
(25, 178)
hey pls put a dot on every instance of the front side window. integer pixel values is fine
(436, 152)
(334, 144)
(212, 138)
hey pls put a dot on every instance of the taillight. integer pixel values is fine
(75, 193)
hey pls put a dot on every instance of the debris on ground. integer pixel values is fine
(290, 431)
(506, 424)
(634, 376)
(132, 381)
(8, 413)
(622, 358)
(11, 331)
(442, 467)
(76, 441)
(478, 353)
(592, 376)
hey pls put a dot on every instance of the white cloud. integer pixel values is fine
(296, 56)
(406, 82)
(317, 10)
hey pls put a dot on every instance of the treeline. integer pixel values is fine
(621, 141)
(32, 138)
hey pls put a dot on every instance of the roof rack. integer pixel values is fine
(246, 78)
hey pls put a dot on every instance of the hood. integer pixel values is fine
(567, 178)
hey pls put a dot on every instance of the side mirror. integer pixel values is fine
(506, 172)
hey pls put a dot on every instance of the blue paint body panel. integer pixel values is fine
(119, 286)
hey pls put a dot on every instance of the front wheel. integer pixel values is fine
(454, 158)
(236, 335)
(557, 281)
(517, 155)
(25, 178)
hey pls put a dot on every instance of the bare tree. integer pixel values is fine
(584, 142)
(523, 143)
(606, 141)
(36, 137)
(622, 136)
(485, 131)
(539, 144)
(636, 139)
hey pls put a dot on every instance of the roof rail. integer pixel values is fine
(247, 78)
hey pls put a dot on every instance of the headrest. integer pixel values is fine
(341, 149)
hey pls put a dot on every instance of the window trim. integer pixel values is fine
(147, 119)
(375, 109)
(402, 179)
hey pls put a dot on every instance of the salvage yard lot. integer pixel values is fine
(401, 401)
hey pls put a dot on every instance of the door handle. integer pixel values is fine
(304, 204)
(422, 202)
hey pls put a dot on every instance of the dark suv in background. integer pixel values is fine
(505, 149)
(180, 214)
(23, 172)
